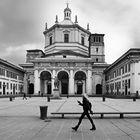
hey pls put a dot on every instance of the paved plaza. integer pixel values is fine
(20, 120)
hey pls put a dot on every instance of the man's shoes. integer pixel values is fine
(74, 128)
(93, 129)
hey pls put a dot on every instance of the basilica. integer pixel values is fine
(72, 54)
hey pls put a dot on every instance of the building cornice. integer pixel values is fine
(27, 65)
(66, 26)
(35, 50)
(11, 65)
(130, 54)
(66, 52)
(62, 60)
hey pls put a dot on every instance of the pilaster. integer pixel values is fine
(52, 81)
(89, 82)
(37, 82)
(71, 83)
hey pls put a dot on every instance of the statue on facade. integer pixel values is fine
(56, 82)
(56, 94)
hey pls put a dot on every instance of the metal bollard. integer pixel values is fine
(10, 98)
(134, 99)
(48, 99)
(103, 99)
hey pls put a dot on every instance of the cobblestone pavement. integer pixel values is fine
(20, 120)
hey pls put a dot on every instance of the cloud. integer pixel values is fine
(17, 54)
(19, 22)
(22, 24)
(118, 20)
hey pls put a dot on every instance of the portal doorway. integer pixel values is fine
(80, 78)
(99, 89)
(79, 87)
(31, 88)
(63, 80)
(45, 80)
(49, 87)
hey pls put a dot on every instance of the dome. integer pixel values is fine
(66, 22)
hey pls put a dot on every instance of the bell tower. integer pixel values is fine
(96, 48)
(67, 13)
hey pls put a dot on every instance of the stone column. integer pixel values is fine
(36, 82)
(89, 82)
(71, 83)
(52, 81)
(45, 87)
(25, 89)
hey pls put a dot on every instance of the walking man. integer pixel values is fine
(86, 109)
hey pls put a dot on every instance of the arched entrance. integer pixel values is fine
(63, 78)
(80, 78)
(98, 89)
(31, 88)
(45, 80)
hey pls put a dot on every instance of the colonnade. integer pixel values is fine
(71, 82)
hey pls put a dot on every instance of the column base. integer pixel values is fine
(56, 94)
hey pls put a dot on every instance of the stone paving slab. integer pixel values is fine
(110, 105)
(20, 120)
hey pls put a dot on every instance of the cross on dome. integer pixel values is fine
(67, 5)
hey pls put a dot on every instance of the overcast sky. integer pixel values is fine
(22, 23)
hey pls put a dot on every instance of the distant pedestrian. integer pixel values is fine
(41, 94)
(24, 96)
(86, 109)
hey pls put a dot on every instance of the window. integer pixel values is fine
(11, 85)
(114, 73)
(128, 83)
(51, 40)
(123, 84)
(96, 50)
(96, 59)
(129, 67)
(122, 70)
(97, 39)
(119, 71)
(120, 85)
(82, 40)
(126, 68)
(2, 71)
(0, 85)
(66, 38)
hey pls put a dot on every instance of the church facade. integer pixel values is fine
(71, 54)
